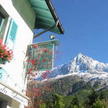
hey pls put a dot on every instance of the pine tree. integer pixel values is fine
(98, 104)
(91, 98)
(58, 101)
(74, 103)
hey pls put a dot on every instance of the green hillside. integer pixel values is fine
(82, 99)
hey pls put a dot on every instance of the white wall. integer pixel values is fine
(23, 38)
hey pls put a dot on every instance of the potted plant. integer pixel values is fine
(5, 53)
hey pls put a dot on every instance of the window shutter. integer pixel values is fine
(11, 36)
(0, 20)
(1, 23)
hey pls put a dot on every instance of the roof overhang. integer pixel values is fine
(46, 16)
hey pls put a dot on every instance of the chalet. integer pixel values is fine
(18, 19)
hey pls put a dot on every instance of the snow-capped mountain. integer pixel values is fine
(80, 73)
(82, 66)
(82, 63)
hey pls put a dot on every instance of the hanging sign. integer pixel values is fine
(41, 56)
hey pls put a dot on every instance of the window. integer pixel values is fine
(8, 29)
(11, 35)
(3, 21)
(1, 25)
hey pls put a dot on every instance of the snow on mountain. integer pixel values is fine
(82, 66)
(82, 63)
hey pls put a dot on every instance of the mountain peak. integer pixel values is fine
(82, 63)
(80, 55)
(81, 58)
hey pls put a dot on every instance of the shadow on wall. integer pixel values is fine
(25, 10)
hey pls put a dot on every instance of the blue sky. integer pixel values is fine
(86, 29)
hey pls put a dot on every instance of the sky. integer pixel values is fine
(86, 29)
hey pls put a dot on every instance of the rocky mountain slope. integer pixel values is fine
(82, 72)
(82, 66)
(80, 78)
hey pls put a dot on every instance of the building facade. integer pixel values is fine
(18, 18)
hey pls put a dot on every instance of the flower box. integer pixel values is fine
(5, 53)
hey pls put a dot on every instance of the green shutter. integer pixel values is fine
(1, 23)
(11, 36)
(12, 30)
(0, 20)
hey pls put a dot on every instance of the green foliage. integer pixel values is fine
(82, 99)
(98, 104)
(42, 105)
(91, 98)
(74, 103)
(58, 101)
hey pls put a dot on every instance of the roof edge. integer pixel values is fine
(53, 12)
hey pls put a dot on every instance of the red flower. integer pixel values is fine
(35, 46)
(44, 75)
(5, 53)
(33, 61)
(1, 41)
(44, 60)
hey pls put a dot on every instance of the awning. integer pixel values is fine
(46, 16)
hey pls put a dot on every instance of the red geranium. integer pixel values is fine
(5, 53)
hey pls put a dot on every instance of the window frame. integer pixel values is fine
(5, 16)
(2, 21)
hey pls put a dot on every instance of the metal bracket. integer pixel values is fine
(55, 25)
